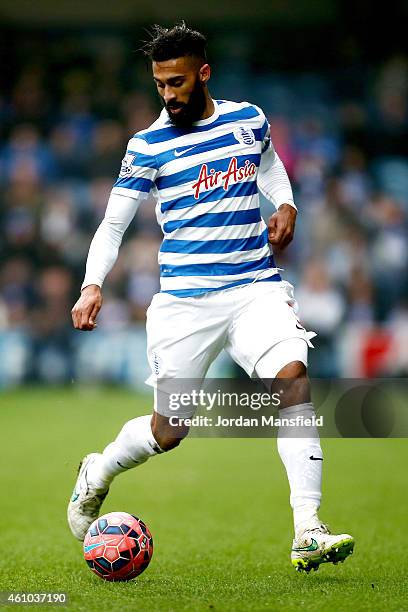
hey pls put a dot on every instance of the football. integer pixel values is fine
(118, 546)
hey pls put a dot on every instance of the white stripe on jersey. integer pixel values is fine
(182, 162)
(225, 232)
(130, 193)
(172, 284)
(235, 257)
(219, 206)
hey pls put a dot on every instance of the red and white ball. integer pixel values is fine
(118, 546)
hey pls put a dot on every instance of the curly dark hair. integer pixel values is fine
(171, 43)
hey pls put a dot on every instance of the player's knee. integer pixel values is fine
(167, 436)
(167, 443)
(292, 378)
(292, 370)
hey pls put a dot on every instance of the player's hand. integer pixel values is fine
(86, 309)
(281, 226)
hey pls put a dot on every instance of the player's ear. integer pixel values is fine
(205, 73)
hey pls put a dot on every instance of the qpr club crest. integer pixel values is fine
(245, 136)
(126, 166)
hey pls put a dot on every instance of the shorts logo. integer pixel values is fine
(126, 167)
(245, 136)
(156, 364)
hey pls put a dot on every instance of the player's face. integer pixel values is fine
(181, 84)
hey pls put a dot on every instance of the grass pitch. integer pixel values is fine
(218, 510)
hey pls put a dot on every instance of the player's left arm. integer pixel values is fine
(273, 183)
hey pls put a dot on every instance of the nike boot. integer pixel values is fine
(315, 545)
(86, 500)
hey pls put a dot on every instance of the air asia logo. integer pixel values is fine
(208, 179)
(126, 167)
(245, 136)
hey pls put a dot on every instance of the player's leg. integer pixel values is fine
(138, 440)
(298, 447)
(134, 444)
(182, 342)
(301, 454)
(269, 343)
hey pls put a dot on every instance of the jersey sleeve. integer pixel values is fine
(105, 244)
(273, 181)
(138, 170)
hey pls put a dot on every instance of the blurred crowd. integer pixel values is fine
(64, 128)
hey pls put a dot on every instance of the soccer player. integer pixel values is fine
(204, 161)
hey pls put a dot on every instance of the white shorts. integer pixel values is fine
(185, 335)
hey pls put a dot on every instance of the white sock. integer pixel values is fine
(133, 446)
(304, 474)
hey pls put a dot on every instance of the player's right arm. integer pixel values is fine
(135, 180)
(102, 255)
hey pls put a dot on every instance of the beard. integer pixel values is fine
(191, 111)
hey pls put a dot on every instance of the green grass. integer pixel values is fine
(218, 510)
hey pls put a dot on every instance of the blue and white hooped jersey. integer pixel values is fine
(204, 181)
